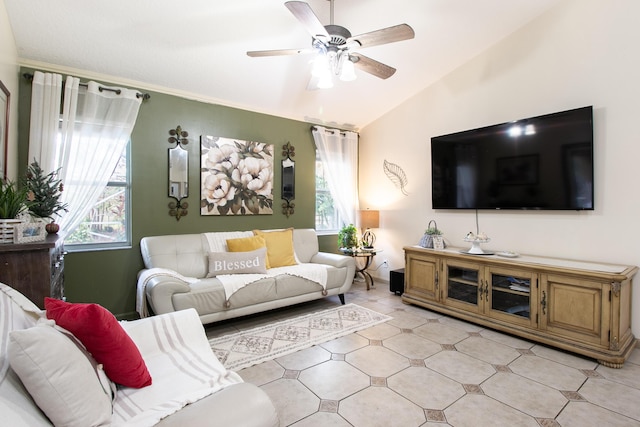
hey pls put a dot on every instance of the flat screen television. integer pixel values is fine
(541, 163)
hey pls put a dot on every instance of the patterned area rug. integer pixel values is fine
(243, 349)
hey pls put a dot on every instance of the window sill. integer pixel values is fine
(75, 248)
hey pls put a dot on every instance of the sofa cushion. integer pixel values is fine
(183, 253)
(65, 383)
(104, 338)
(245, 244)
(237, 262)
(280, 251)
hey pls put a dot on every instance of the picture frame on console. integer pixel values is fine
(28, 232)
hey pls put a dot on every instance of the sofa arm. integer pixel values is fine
(335, 260)
(160, 290)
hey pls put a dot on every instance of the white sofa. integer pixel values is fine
(190, 386)
(176, 269)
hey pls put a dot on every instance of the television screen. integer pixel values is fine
(543, 162)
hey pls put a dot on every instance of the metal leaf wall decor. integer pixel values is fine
(396, 175)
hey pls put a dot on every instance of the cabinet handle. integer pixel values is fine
(543, 303)
(486, 291)
(437, 279)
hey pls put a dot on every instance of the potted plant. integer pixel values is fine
(348, 238)
(432, 237)
(43, 193)
(13, 201)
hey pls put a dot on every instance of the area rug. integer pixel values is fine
(243, 349)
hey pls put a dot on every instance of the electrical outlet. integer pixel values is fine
(385, 263)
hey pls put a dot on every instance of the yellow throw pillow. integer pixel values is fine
(280, 251)
(246, 244)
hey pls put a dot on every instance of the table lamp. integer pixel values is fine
(369, 219)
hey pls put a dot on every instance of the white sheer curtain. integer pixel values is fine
(85, 141)
(46, 94)
(338, 152)
(96, 127)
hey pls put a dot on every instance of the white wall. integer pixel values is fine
(9, 75)
(583, 52)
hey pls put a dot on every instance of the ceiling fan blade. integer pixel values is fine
(386, 35)
(372, 66)
(278, 52)
(303, 12)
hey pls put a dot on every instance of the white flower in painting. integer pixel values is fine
(218, 189)
(223, 158)
(256, 175)
(257, 147)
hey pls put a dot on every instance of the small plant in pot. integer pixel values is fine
(433, 231)
(43, 193)
(348, 238)
(13, 200)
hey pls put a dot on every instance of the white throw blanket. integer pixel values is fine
(316, 273)
(218, 240)
(145, 276)
(181, 363)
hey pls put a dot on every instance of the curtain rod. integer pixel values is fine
(144, 96)
(330, 130)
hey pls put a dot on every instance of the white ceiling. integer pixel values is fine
(197, 48)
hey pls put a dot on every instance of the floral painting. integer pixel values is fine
(236, 177)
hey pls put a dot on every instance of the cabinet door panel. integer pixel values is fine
(575, 309)
(511, 293)
(421, 278)
(462, 286)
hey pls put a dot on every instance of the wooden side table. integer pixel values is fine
(34, 269)
(367, 255)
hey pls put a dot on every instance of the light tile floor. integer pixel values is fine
(425, 369)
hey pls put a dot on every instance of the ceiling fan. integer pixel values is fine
(335, 47)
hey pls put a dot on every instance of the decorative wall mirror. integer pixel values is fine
(288, 179)
(178, 172)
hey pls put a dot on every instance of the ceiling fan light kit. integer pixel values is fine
(335, 48)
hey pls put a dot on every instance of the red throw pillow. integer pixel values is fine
(102, 335)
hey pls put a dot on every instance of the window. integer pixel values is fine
(108, 223)
(327, 216)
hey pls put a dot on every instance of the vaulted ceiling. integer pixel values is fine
(197, 48)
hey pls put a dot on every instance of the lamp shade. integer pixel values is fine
(369, 219)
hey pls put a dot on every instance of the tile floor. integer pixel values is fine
(426, 369)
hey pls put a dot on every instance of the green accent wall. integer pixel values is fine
(109, 277)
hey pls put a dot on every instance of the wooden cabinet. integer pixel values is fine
(35, 269)
(421, 278)
(582, 307)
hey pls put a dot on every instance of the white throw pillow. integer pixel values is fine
(62, 378)
(251, 262)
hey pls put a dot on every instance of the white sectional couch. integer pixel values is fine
(42, 384)
(177, 266)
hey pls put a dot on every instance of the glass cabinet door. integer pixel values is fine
(462, 284)
(511, 294)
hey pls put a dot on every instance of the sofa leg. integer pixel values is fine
(341, 296)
